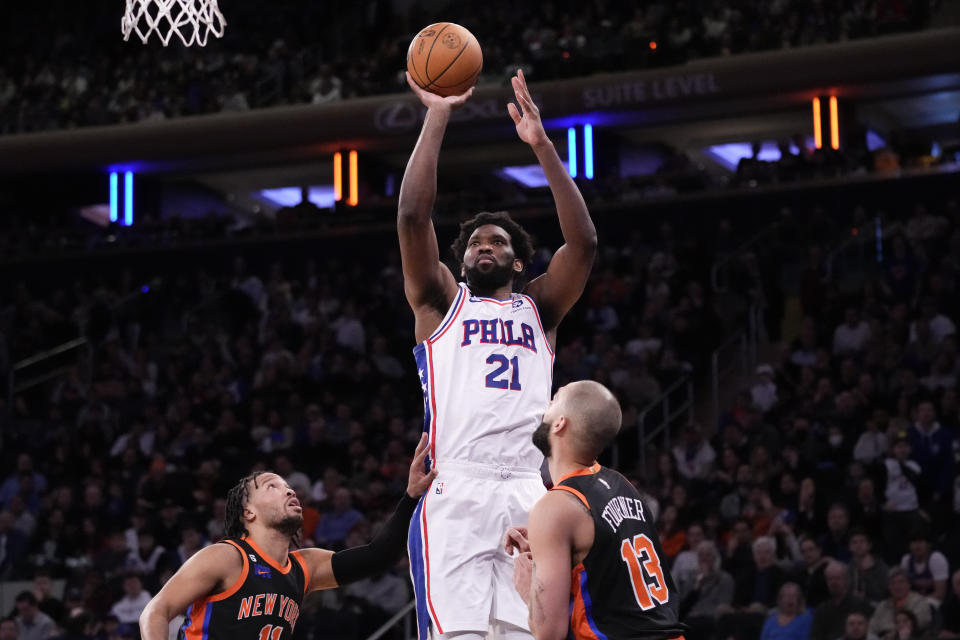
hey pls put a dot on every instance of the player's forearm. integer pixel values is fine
(419, 187)
(575, 223)
(154, 625)
(383, 551)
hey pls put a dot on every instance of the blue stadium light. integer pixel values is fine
(114, 196)
(572, 150)
(588, 151)
(128, 198)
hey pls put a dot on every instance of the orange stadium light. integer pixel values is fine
(352, 200)
(337, 176)
(834, 124)
(817, 123)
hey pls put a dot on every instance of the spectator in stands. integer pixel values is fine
(763, 393)
(867, 513)
(931, 446)
(12, 544)
(927, 569)
(756, 588)
(857, 627)
(791, 619)
(46, 601)
(135, 598)
(883, 620)
(829, 619)
(32, 624)
(694, 457)
(686, 564)
(869, 573)
(951, 610)
(835, 543)
(812, 577)
(851, 337)
(336, 524)
(872, 444)
(901, 505)
(9, 629)
(710, 591)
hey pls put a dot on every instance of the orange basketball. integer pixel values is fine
(445, 59)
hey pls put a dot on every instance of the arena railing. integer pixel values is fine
(80, 346)
(720, 271)
(403, 616)
(674, 408)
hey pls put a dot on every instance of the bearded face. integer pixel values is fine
(541, 439)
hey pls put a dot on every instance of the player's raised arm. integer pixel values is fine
(553, 521)
(427, 282)
(560, 287)
(328, 569)
(210, 570)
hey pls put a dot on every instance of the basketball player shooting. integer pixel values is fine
(485, 360)
(250, 585)
(590, 565)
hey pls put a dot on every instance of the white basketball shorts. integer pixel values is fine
(462, 577)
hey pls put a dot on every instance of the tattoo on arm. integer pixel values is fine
(537, 616)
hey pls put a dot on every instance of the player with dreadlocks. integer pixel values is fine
(250, 586)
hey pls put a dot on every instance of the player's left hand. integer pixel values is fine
(516, 538)
(529, 126)
(523, 575)
(420, 480)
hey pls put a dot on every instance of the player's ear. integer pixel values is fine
(517, 265)
(248, 515)
(560, 425)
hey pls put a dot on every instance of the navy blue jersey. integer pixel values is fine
(263, 604)
(621, 590)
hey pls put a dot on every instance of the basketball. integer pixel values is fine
(445, 59)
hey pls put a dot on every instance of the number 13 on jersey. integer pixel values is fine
(638, 553)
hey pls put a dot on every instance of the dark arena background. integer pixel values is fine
(200, 276)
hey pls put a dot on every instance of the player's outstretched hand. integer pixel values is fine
(420, 480)
(527, 118)
(433, 101)
(516, 538)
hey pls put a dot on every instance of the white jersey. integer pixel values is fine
(486, 375)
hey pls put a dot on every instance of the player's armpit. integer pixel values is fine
(211, 570)
(551, 528)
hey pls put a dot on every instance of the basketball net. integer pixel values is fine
(193, 21)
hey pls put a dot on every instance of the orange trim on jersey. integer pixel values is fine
(586, 471)
(579, 624)
(580, 496)
(296, 555)
(270, 561)
(536, 313)
(198, 612)
(223, 595)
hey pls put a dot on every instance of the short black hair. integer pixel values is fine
(237, 497)
(28, 597)
(519, 239)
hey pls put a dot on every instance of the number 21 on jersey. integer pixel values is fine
(638, 553)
